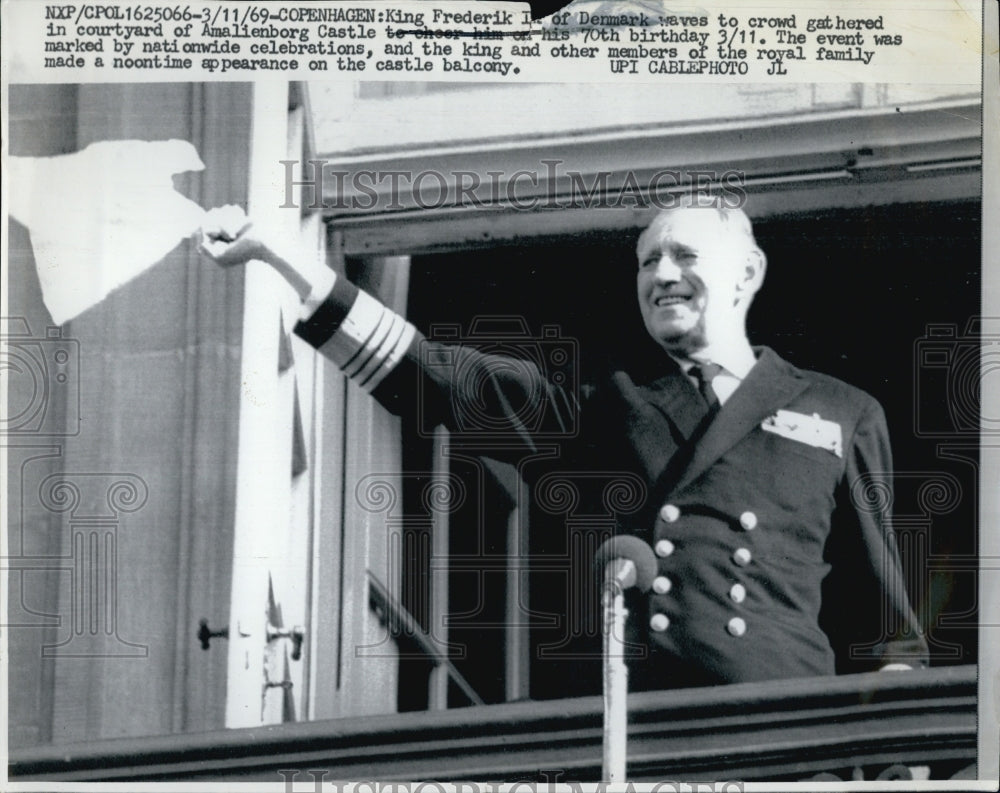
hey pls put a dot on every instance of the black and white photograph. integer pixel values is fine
(479, 432)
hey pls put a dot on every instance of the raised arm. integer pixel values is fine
(387, 356)
(229, 238)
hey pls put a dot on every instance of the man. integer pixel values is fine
(773, 560)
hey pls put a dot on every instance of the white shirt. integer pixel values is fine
(736, 361)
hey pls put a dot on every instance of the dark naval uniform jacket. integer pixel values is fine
(769, 520)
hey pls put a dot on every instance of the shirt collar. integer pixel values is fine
(737, 359)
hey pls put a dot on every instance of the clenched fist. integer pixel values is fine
(228, 238)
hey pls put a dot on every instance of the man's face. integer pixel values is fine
(693, 272)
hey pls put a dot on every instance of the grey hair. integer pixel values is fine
(734, 220)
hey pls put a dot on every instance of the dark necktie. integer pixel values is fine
(704, 374)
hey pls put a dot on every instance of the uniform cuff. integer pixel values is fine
(327, 318)
(364, 338)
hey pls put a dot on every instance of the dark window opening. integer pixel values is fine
(851, 293)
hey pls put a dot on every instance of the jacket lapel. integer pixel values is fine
(771, 384)
(677, 399)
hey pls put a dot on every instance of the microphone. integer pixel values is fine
(633, 562)
(625, 561)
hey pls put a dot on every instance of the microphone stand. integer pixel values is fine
(619, 574)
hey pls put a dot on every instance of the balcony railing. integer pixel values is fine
(877, 725)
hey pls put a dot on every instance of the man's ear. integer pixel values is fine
(755, 265)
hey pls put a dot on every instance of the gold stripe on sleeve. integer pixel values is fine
(370, 342)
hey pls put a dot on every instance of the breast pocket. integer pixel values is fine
(792, 488)
(801, 477)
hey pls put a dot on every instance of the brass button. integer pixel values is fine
(661, 585)
(742, 556)
(737, 626)
(664, 548)
(659, 622)
(669, 513)
(748, 521)
(738, 593)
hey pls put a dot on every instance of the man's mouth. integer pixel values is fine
(671, 300)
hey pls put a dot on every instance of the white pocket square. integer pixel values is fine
(811, 430)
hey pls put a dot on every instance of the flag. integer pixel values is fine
(101, 216)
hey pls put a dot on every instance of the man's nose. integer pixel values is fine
(667, 270)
